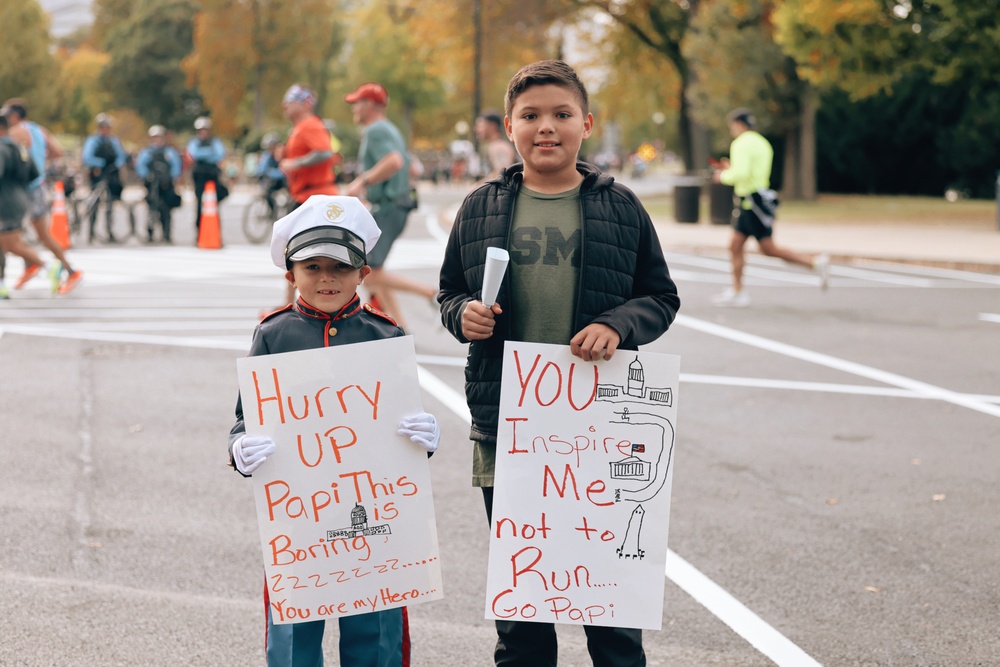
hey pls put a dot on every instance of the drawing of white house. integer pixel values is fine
(631, 467)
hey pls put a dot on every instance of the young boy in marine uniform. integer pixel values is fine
(323, 246)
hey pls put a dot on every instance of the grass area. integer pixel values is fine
(865, 209)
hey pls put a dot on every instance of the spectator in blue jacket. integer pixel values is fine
(206, 152)
(103, 158)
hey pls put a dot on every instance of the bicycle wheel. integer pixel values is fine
(73, 213)
(91, 214)
(122, 220)
(257, 221)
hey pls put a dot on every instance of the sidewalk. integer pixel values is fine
(971, 247)
(967, 248)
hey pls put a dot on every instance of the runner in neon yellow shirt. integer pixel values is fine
(748, 170)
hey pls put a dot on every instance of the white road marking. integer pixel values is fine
(706, 592)
(989, 317)
(736, 615)
(933, 271)
(916, 386)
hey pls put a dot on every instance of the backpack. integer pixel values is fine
(159, 169)
(106, 151)
(19, 167)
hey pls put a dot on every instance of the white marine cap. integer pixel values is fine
(337, 227)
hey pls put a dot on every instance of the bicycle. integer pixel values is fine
(160, 203)
(263, 210)
(86, 209)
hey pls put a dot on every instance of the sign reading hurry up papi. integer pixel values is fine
(344, 505)
(581, 502)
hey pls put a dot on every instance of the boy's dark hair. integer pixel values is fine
(545, 72)
(4, 123)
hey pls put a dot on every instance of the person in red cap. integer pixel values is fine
(385, 182)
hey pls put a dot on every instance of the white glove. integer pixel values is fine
(421, 429)
(249, 451)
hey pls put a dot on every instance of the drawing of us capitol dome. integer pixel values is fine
(641, 475)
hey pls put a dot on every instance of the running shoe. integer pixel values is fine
(72, 280)
(732, 299)
(4, 292)
(30, 272)
(822, 266)
(55, 275)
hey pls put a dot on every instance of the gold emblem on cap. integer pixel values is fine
(334, 211)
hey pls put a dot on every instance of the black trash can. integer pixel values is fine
(720, 203)
(687, 198)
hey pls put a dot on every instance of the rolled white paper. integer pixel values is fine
(496, 264)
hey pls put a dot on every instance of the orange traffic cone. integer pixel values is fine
(59, 228)
(209, 236)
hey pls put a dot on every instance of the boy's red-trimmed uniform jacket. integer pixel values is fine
(624, 280)
(299, 326)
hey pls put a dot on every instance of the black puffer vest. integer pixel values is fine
(624, 280)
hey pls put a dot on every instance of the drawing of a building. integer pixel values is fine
(635, 387)
(632, 468)
(359, 526)
(359, 518)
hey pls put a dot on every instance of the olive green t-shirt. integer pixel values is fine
(544, 279)
(544, 266)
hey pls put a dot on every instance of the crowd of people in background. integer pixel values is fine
(305, 159)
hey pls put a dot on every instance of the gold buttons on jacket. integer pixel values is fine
(333, 331)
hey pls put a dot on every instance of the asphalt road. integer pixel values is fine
(834, 496)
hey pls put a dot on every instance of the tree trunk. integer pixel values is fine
(791, 183)
(807, 149)
(685, 127)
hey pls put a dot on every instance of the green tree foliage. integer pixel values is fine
(79, 97)
(247, 52)
(877, 49)
(27, 69)
(736, 63)
(661, 25)
(851, 44)
(108, 14)
(634, 88)
(865, 46)
(921, 139)
(144, 71)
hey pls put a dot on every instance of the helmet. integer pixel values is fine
(269, 140)
(203, 123)
(103, 119)
(157, 131)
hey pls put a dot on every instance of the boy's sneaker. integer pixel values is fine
(732, 299)
(4, 292)
(72, 280)
(822, 266)
(30, 272)
(55, 275)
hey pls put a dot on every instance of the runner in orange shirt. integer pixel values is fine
(308, 159)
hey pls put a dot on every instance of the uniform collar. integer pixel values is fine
(352, 307)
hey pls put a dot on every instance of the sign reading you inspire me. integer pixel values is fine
(344, 505)
(581, 503)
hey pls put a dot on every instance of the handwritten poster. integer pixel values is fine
(344, 505)
(581, 503)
